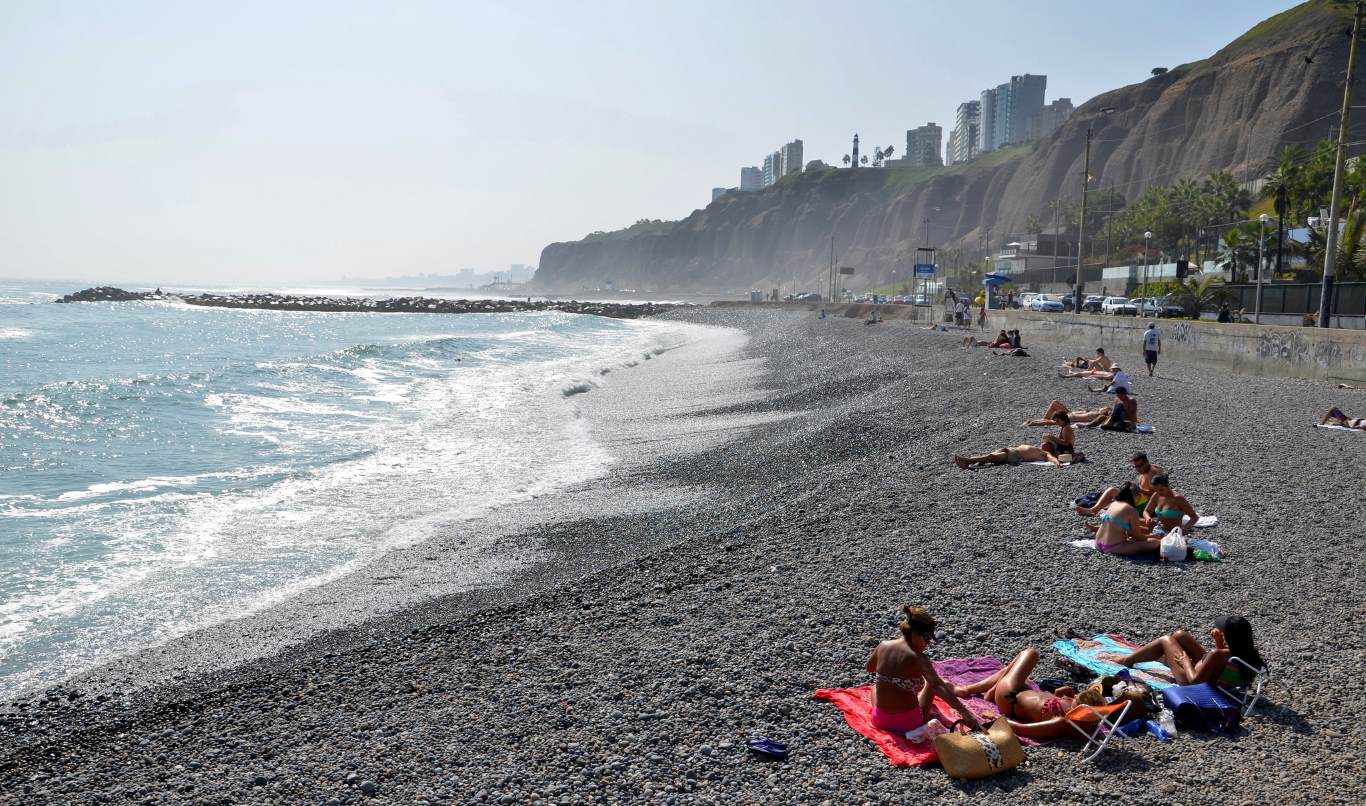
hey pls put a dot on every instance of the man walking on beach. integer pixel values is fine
(1152, 345)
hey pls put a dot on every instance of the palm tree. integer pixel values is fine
(1199, 295)
(846, 159)
(887, 152)
(863, 159)
(877, 156)
(1234, 255)
(1351, 258)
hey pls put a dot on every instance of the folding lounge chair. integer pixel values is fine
(1106, 720)
(1247, 696)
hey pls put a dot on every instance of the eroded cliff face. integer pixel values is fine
(1230, 112)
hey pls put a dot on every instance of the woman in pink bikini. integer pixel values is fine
(904, 681)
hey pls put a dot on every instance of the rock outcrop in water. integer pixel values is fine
(290, 302)
(1230, 112)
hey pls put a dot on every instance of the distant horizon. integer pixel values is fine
(362, 142)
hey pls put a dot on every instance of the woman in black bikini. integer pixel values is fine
(1066, 438)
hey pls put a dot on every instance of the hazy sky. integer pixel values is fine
(184, 142)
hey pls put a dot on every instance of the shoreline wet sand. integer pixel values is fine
(633, 657)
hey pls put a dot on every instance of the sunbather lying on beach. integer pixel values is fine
(1147, 471)
(1343, 420)
(1167, 508)
(1119, 530)
(1037, 714)
(1120, 417)
(904, 681)
(1002, 340)
(1099, 361)
(1018, 454)
(1192, 663)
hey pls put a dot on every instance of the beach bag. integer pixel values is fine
(1173, 546)
(980, 755)
(1202, 707)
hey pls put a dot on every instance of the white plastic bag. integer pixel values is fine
(1173, 546)
(927, 731)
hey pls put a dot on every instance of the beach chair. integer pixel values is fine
(1097, 724)
(1247, 696)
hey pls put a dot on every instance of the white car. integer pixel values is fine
(1118, 306)
(1042, 303)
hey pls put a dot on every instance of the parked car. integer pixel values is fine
(1091, 304)
(1160, 307)
(1043, 303)
(1118, 306)
(1065, 299)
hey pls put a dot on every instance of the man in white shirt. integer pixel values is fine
(1152, 345)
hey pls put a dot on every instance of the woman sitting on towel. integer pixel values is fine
(1120, 531)
(1191, 663)
(1167, 509)
(1338, 418)
(1062, 442)
(904, 681)
(1002, 340)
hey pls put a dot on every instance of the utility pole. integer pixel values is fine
(830, 284)
(1081, 224)
(1331, 247)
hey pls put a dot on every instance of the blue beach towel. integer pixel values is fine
(1101, 654)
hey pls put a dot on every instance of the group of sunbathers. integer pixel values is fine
(1056, 449)
(1006, 339)
(905, 682)
(1135, 515)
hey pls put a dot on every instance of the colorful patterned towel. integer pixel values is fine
(1101, 654)
(857, 706)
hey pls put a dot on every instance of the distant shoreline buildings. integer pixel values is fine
(1010, 114)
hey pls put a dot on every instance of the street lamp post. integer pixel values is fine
(1261, 261)
(1148, 247)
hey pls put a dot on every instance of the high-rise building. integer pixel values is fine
(773, 168)
(986, 127)
(1025, 104)
(1050, 118)
(964, 143)
(751, 179)
(792, 158)
(950, 146)
(1007, 114)
(923, 146)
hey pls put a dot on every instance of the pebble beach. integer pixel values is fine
(699, 594)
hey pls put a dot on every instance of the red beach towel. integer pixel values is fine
(857, 705)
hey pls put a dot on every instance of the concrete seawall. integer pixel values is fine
(1287, 352)
(1269, 350)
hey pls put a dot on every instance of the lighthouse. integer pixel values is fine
(855, 162)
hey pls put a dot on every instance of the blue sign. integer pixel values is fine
(924, 270)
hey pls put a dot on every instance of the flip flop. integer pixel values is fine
(768, 748)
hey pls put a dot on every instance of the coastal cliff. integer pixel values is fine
(1278, 84)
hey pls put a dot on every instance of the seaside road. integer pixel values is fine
(659, 639)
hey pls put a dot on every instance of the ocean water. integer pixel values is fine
(165, 467)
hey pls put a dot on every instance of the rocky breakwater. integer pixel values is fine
(290, 302)
(107, 293)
